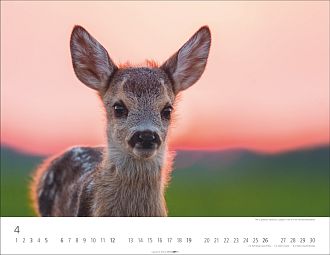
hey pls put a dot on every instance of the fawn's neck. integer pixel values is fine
(125, 186)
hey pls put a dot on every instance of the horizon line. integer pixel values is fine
(178, 149)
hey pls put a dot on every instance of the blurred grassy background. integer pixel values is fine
(224, 183)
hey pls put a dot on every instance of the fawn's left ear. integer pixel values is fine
(90, 60)
(186, 66)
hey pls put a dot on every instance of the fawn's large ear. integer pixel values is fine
(90, 59)
(186, 66)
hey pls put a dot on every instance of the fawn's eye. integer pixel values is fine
(166, 112)
(120, 110)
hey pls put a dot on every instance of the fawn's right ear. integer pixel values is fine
(90, 60)
(186, 66)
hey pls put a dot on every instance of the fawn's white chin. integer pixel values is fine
(144, 153)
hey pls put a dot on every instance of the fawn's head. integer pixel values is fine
(138, 100)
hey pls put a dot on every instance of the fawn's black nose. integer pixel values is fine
(145, 140)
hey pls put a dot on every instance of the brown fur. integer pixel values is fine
(129, 175)
(147, 63)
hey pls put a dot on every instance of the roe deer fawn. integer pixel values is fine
(128, 176)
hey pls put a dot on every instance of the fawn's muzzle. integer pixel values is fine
(146, 140)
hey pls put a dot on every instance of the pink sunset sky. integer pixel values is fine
(265, 88)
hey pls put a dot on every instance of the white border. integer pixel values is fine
(170, 228)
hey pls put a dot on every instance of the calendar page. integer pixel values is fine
(164, 127)
(189, 235)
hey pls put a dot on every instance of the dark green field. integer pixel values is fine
(224, 183)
